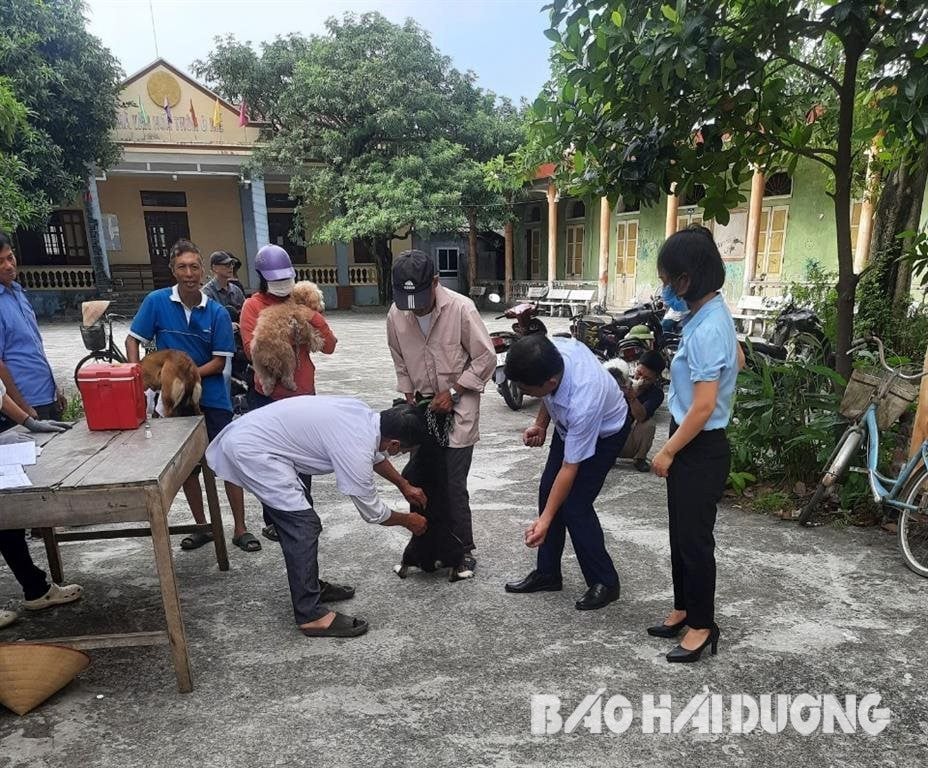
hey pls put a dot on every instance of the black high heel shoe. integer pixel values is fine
(681, 655)
(666, 630)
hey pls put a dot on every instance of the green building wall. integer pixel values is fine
(810, 235)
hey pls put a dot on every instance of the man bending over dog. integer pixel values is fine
(267, 450)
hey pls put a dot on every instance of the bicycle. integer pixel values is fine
(874, 403)
(98, 339)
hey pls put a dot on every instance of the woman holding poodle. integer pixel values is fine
(276, 280)
(696, 458)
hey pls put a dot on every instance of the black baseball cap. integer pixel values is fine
(413, 273)
(221, 257)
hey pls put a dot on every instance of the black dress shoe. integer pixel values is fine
(535, 582)
(666, 630)
(332, 593)
(598, 596)
(681, 655)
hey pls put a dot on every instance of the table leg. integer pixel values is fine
(53, 554)
(161, 539)
(215, 517)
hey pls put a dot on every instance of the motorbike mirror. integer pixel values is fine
(494, 298)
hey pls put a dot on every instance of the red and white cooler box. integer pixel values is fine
(113, 395)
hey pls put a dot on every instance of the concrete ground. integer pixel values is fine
(446, 674)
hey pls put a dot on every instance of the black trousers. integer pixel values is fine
(15, 551)
(256, 400)
(694, 486)
(458, 461)
(13, 546)
(577, 515)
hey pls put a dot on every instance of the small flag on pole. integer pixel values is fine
(167, 111)
(193, 115)
(143, 115)
(242, 117)
(217, 115)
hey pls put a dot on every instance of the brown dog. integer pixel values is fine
(175, 375)
(280, 330)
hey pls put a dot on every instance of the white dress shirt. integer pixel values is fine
(587, 405)
(266, 450)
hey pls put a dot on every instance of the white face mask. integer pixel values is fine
(280, 288)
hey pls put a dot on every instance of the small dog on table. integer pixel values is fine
(280, 330)
(438, 547)
(174, 374)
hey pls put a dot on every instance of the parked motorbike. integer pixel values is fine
(526, 322)
(797, 335)
(610, 337)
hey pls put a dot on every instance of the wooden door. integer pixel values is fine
(163, 229)
(626, 263)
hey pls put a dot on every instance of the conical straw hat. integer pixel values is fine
(31, 672)
(91, 311)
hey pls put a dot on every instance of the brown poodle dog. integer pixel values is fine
(175, 375)
(280, 330)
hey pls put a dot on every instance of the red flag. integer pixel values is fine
(193, 115)
(242, 117)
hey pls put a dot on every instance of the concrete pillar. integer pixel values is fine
(99, 259)
(341, 263)
(552, 234)
(507, 279)
(254, 224)
(752, 237)
(604, 227)
(673, 205)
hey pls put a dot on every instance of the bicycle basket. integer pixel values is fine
(862, 387)
(94, 337)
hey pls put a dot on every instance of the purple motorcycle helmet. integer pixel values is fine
(273, 263)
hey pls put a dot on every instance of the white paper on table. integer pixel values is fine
(18, 453)
(13, 476)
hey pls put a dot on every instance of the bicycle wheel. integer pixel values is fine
(93, 356)
(913, 524)
(104, 356)
(835, 471)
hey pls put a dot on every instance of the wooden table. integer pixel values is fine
(100, 478)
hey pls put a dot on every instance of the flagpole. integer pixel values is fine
(154, 32)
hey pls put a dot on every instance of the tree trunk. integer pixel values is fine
(847, 280)
(385, 264)
(898, 210)
(471, 248)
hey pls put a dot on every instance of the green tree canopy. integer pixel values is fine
(647, 96)
(376, 129)
(68, 85)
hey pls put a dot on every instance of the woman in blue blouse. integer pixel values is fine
(696, 458)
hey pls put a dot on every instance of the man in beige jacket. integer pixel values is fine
(441, 348)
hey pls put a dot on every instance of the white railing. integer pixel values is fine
(327, 274)
(61, 278)
(520, 288)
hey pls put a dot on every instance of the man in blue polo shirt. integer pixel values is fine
(183, 317)
(24, 368)
(591, 423)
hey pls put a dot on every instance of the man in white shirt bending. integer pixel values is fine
(268, 449)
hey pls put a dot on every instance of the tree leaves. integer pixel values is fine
(374, 126)
(68, 85)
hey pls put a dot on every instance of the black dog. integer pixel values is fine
(438, 547)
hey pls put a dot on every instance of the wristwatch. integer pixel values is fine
(455, 395)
